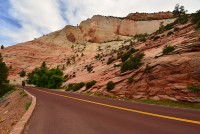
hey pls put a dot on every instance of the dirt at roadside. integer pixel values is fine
(12, 108)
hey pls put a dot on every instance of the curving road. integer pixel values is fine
(70, 113)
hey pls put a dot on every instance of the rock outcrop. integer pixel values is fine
(96, 40)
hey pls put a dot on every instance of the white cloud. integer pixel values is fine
(39, 17)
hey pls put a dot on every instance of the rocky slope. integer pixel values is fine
(161, 77)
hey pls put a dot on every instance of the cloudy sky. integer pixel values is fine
(23, 20)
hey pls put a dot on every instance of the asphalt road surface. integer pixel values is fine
(70, 113)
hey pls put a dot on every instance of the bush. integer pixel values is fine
(90, 84)
(194, 88)
(148, 68)
(169, 33)
(75, 86)
(197, 25)
(89, 68)
(110, 60)
(43, 77)
(110, 85)
(141, 37)
(125, 56)
(5, 88)
(130, 79)
(156, 38)
(180, 13)
(176, 29)
(168, 49)
(196, 17)
(132, 63)
(2, 47)
(22, 73)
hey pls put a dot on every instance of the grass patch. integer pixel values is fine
(171, 103)
(168, 49)
(27, 105)
(23, 94)
(193, 88)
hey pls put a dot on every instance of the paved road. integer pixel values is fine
(70, 113)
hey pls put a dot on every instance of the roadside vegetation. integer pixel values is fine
(27, 105)
(46, 78)
(168, 49)
(22, 73)
(110, 85)
(194, 88)
(4, 82)
(133, 63)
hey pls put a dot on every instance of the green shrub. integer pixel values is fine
(23, 93)
(196, 17)
(169, 33)
(168, 49)
(22, 73)
(90, 84)
(2, 47)
(125, 56)
(148, 68)
(110, 60)
(89, 68)
(5, 88)
(27, 105)
(197, 25)
(132, 63)
(130, 79)
(194, 88)
(110, 85)
(141, 37)
(75, 86)
(156, 38)
(43, 77)
(180, 13)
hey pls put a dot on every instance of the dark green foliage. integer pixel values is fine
(3, 72)
(169, 33)
(4, 86)
(196, 17)
(110, 85)
(168, 49)
(148, 68)
(110, 60)
(180, 13)
(197, 25)
(176, 29)
(2, 47)
(90, 84)
(132, 63)
(89, 68)
(130, 79)
(141, 37)
(194, 88)
(165, 28)
(156, 38)
(43, 77)
(22, 73)
(125, 56)
(75, 86)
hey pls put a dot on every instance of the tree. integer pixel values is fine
(3, 71)
(43, 77)
(22, 73)
(180, 13)
(2, 47)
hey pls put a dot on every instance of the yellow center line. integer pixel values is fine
(125, 109)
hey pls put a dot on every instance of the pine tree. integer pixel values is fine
(3, 71)
(2, 47)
